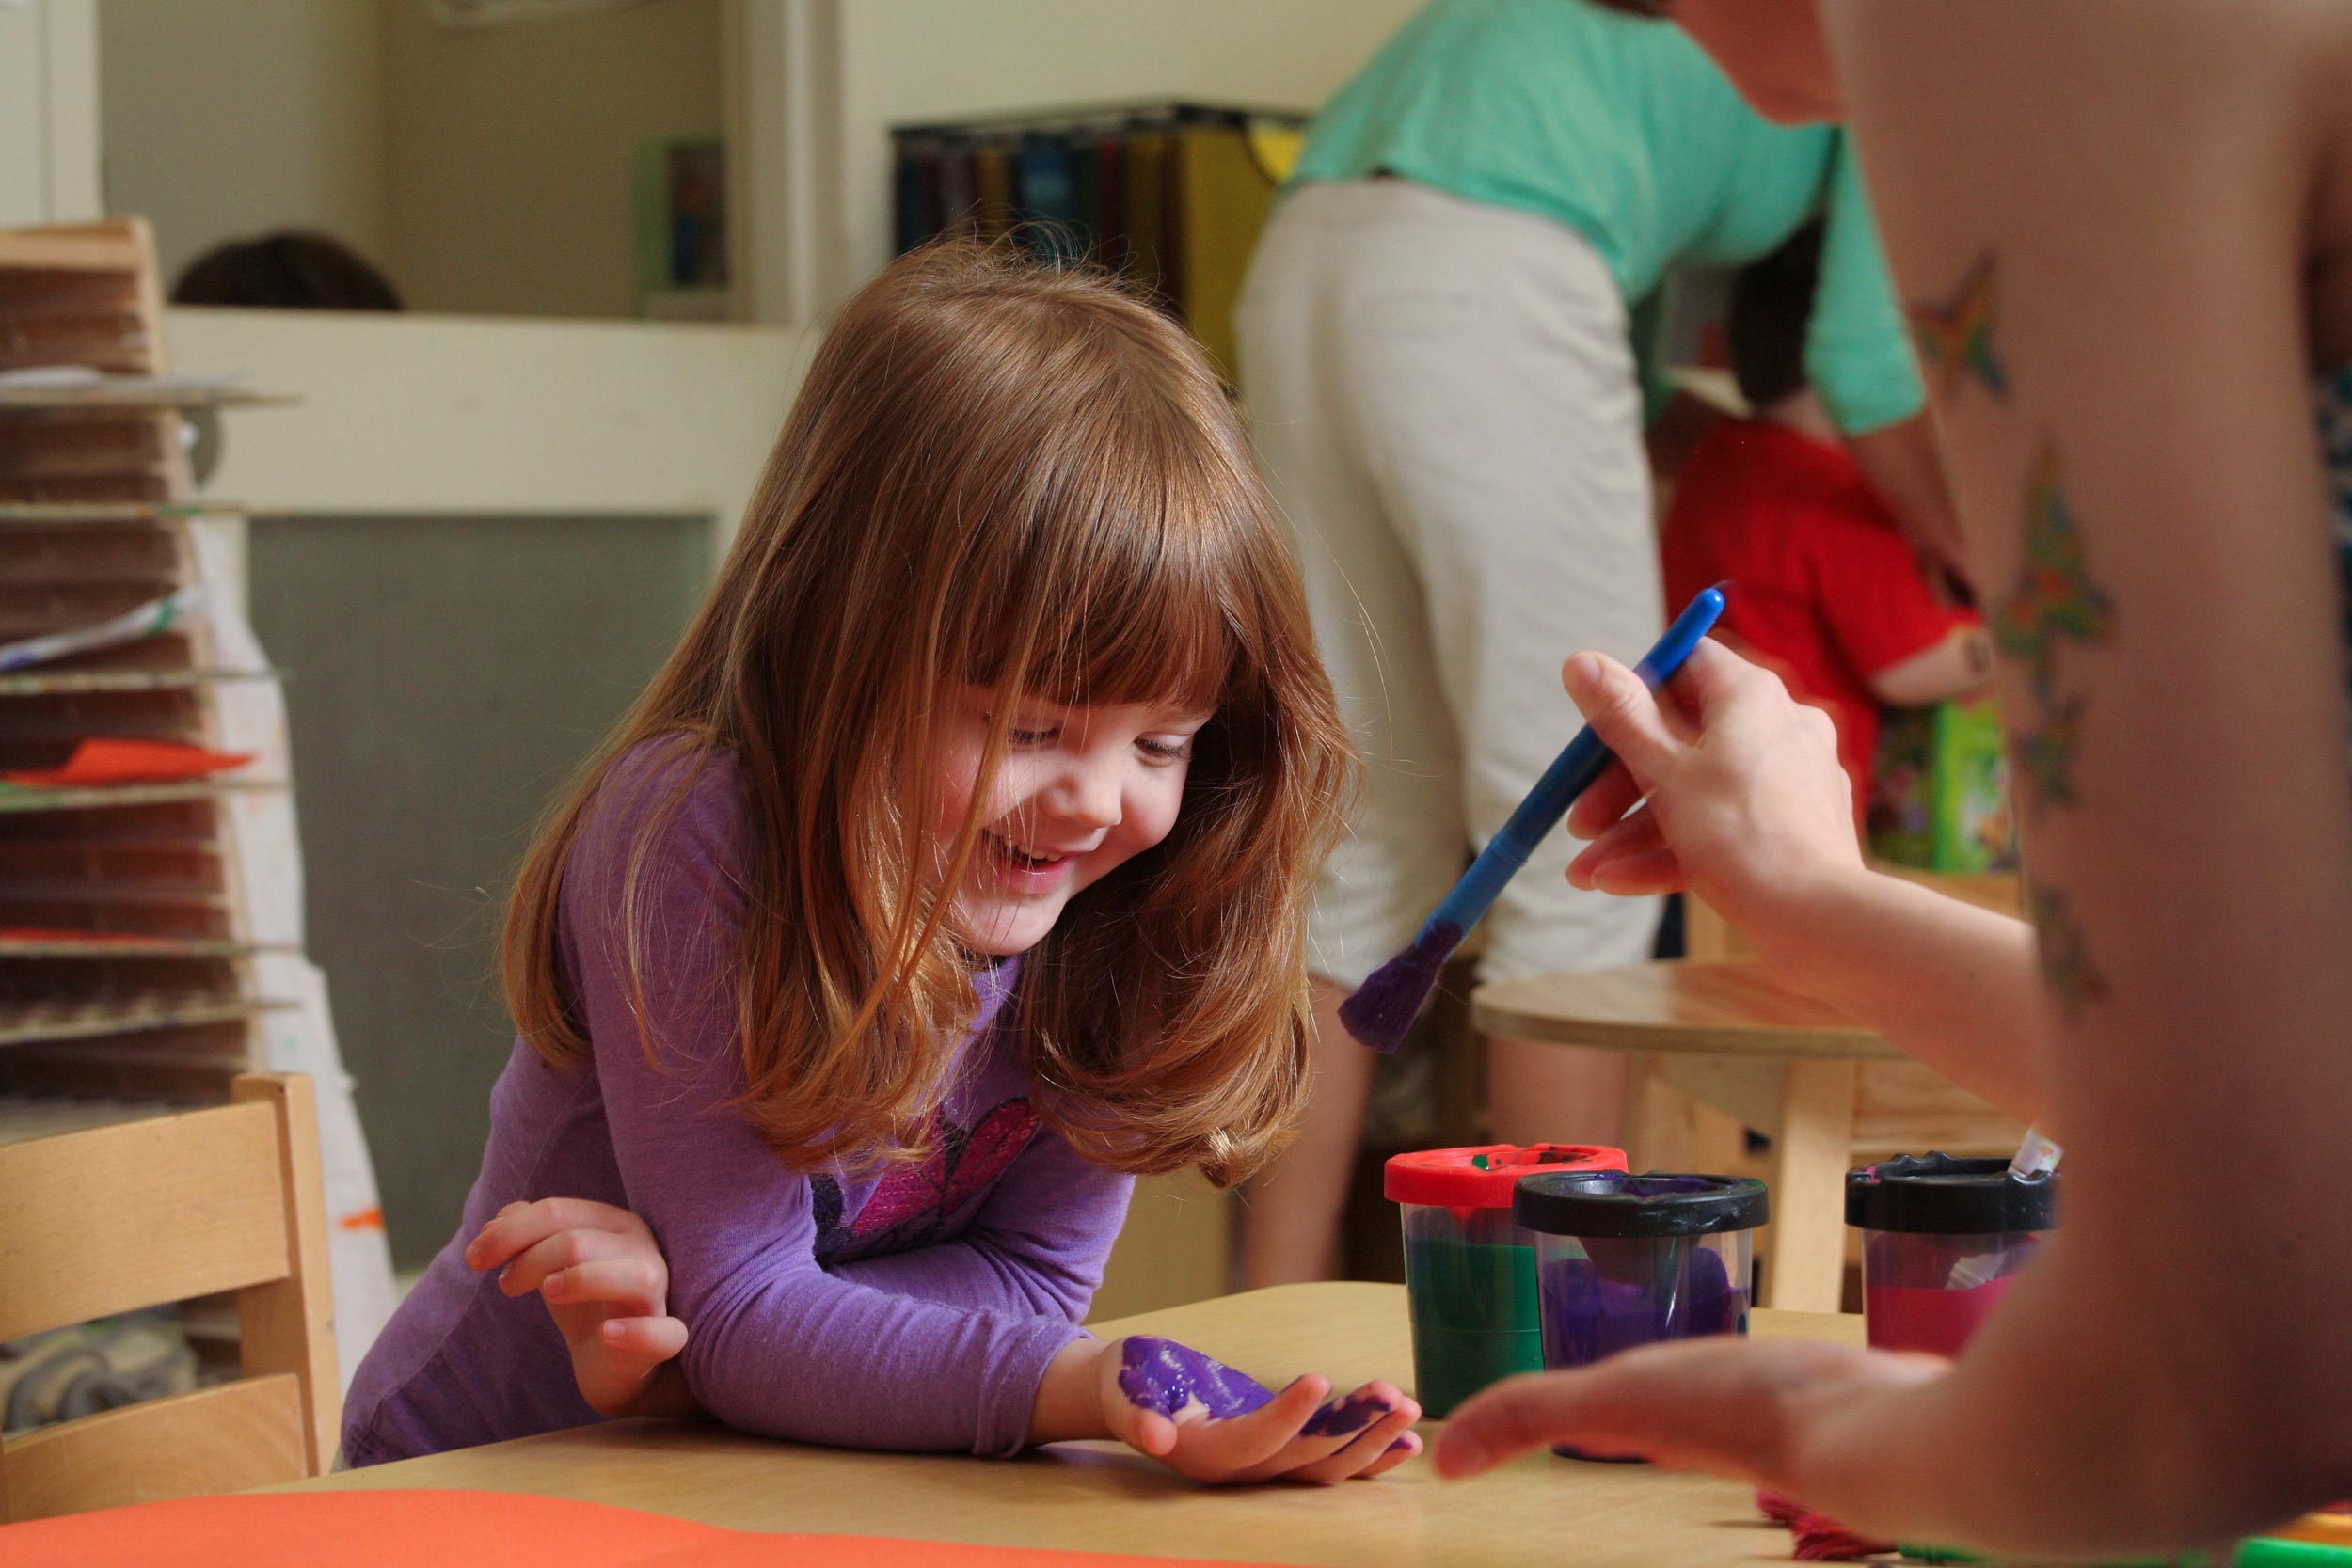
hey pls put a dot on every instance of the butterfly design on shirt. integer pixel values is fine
(1955, 338)
(2054, 599)
(911, 1204)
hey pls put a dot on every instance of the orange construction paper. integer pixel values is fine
(119, 762)
(469, 1529)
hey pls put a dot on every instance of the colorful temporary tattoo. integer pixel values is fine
(2065, 960)
(1185, 1385)
(1956, 339)
(2045, 758)
(2054, 599)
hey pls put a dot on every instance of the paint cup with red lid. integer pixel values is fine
(1628, 1260)
(1469, 1271)
(1943, 1240)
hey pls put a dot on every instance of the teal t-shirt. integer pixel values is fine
(1625, 132)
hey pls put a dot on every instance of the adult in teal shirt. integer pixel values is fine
(1436, 346)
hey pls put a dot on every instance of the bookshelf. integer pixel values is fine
(1170, 195)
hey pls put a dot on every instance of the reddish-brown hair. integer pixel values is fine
(1030, 478)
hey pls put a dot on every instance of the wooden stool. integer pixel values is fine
(1729, 1036)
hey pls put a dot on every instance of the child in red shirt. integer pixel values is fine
(1825, 590)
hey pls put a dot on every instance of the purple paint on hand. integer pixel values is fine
(1183, 1385)
(1342, 1416)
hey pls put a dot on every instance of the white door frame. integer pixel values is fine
(49, 134)
(783, 87)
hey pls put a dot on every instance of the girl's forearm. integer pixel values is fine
(1949, 983)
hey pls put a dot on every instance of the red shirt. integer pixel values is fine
(1824, 588)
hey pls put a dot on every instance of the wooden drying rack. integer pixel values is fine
(96, 513)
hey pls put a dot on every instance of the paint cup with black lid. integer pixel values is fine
(1470, 1271)
(1943, 1240)
(1626, 1260)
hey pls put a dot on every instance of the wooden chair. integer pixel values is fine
(144, 1213)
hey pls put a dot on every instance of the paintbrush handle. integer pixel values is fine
(1575, 770)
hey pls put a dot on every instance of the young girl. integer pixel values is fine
(2126, 231)
(951, 871)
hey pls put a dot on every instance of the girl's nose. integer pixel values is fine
(1089, 795)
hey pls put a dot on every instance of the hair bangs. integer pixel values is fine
(1126, 581)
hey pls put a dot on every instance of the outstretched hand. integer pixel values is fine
(603, 1278)
(1795, 1416)
(1209, 1423)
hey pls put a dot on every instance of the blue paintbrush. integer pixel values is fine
(1385, 1006)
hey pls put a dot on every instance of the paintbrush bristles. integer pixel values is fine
(1385, 1006)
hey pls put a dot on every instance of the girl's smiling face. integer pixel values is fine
(1079, 792)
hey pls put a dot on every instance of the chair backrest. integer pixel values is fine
(111, 1219)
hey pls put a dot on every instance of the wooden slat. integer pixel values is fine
(116, 245)
(220, 1440)
(1805, 1246)
(104, 1222)
(1712, 1007)
(98, 1017)
(288, 1324)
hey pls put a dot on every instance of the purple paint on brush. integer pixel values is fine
(1179, 1382)
(1385, 1006)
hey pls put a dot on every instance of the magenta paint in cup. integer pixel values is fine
(1628, 1260)
(1943, 1240)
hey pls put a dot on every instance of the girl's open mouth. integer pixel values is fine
(1022, 870)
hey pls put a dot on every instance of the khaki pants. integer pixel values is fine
(1445, 399)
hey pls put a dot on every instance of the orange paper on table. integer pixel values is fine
(471, 1529)
(124, 762)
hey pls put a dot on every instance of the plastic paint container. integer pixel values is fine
(1626, 1260)
(1943, 1240)
(1470, 1273)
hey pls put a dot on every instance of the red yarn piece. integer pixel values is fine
(1819, 1538)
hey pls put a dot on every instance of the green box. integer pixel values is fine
(1940, 796)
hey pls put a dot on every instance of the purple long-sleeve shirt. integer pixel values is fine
(917, 1310)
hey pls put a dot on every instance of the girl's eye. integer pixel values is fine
(1019, 737)
(1167, 750)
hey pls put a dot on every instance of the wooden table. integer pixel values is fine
(1727, 1034)
(1103, 1497)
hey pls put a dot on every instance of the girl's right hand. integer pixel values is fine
(1724, 785)
(604, 1281)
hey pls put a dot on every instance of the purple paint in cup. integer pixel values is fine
(1628, 1260)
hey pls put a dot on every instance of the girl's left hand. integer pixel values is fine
(1209, 1423)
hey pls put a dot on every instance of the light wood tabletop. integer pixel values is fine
(1701, 1007)
(1103, 1497)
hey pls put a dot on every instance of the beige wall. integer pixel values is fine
(508, 150)
(923, 60)
(226, 118)
(409, 414)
